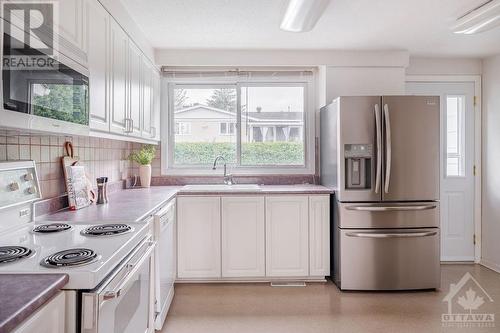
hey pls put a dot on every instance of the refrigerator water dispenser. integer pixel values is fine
(358, 162)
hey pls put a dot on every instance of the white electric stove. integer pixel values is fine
(109, 265)
(86, 259)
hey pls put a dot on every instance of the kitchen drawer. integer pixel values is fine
(389, 259)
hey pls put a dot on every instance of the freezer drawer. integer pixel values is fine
(389, 259)
(387, 215)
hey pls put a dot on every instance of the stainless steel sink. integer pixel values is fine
(222, 188)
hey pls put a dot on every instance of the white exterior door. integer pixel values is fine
(287, 236)
(198, 236)
(457, 165)
(243, 229)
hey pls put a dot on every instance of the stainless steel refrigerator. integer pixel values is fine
(381, 154)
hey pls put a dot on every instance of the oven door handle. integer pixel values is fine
(132, 268)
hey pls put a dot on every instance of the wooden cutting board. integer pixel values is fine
(71, 160)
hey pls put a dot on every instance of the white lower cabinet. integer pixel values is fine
(319, 235)
(243, 237)
(253, 237)
(198, 235)
(50, 318)
(287, 236)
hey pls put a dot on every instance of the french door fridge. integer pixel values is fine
(381, 155)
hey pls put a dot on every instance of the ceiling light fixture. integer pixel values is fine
(480, 19)
(302, 15)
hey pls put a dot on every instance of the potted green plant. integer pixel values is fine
(144, 157)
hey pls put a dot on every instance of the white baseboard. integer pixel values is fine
(450, 259)
(491, 265)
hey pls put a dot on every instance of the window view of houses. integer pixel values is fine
(269, 127)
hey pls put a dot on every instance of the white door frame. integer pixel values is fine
(476, 79)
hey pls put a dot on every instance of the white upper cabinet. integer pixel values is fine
(243, 236)
(135, 88)
(71, 29)
(120, 123)
(97, 37)
(156, 117)
(287, 236)
(319, 235)
(198, 237)
(147, 100)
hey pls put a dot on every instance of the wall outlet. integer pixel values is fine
(24, 212)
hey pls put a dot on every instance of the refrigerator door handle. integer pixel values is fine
(391, 235)
(391, 208)
(388, 148)
(379, 148)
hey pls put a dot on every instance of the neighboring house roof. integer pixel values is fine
(205, 107)
(275, 115)
(254, 117)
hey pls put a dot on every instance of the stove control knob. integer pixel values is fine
(14, 186)
(28, 177)
(31, 190)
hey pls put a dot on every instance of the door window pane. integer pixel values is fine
(455, 136)
(272, 120)
(204, 121)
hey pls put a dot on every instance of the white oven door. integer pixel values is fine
(125, 303)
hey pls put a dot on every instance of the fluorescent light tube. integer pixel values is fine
(302, 15)
(483, 18)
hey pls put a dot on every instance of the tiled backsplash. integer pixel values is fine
(101, 157)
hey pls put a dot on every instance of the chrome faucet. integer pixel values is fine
(228, 178)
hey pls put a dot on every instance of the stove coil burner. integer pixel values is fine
(51, 228)
(107, 230)
(14, 253)
(70, 258)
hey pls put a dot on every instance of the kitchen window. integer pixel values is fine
(182, 128)
(260, 122)
(455, 136)
(227, 128)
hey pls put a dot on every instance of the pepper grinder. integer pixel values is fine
(100, 190)
(105, 187)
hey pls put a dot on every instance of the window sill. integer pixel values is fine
(237, 172)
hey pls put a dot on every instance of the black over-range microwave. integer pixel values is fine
(44, 86)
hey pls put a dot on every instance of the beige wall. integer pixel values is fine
(364, 81)
(491, 163)
(444, 66)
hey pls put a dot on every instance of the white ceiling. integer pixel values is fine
(419, 26)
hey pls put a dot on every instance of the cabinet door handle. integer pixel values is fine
(129, 125)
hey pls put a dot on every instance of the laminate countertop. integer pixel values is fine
(22, 294)
(135, 204)
(128, 205)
